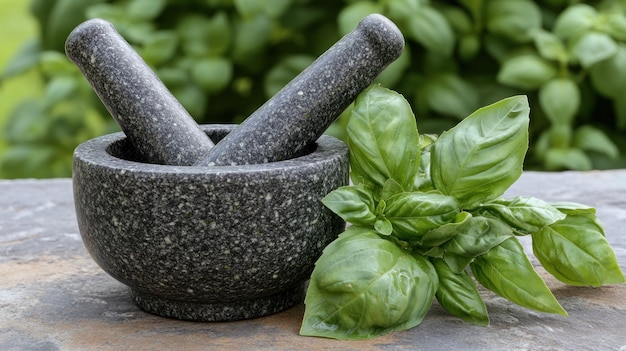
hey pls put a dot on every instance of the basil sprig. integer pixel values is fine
(427, 211)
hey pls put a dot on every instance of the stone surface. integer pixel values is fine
(300, 112)
(155, 122)
(207, 243)
(53, 296)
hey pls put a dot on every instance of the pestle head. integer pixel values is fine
(155, 122)
(300, 112)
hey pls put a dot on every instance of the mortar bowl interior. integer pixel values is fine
(207, 243)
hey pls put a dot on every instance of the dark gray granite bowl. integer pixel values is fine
(207, 243)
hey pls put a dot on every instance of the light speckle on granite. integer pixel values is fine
(54, 297)
(300, 112)
(153, 120)
(207, 243)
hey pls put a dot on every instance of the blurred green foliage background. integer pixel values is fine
(224, 58)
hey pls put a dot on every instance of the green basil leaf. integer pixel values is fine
(383, 226)
(458, 294)
(145, 10)
(513, 19)
(364, 286)
(526, 71)
(615, 25)
(204, 36)
(26, 58)
(351, 15)
(252, 8)
(159, 47)
(574, 208)
(354, 204)
(59, 88)
(383, 139)
(390, 188)
(589, 138)
(251, 37)
(609, 76)
(212, 74)
(477, 236)
(558, 159)
(478, 159)
(413, 214)
(431, 29)
(550, 46)
(444, 233)
(593, 47)
(559, 98)
(576, 252)
(527, 214)
(575, 20)
(448, 94)
(506, 270)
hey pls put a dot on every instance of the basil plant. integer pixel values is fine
(428, 221)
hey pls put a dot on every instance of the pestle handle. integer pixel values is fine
(300, 112)
(155, 122)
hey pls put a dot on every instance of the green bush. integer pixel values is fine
(223, 58)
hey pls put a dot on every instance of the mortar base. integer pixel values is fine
(219, 312)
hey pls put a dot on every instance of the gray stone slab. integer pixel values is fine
(300, 112)
(155, 122)
(53, 296)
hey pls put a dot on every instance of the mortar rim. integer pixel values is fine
(94, 152)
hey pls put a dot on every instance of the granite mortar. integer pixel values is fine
(207, 243)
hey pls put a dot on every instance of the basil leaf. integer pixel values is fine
(458, 294)
(575, 251)
(527, 214)
(364, 286)
(573, 208)
(354, 204)
(383, 139)
(593, 47)
(383, 226)
(390, 188)
(413, 214)
(477, 160)
(506, 270)
(575, 20)
(477, 236)
(444, 233)
(559, 98)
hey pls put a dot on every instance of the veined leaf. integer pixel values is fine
(444, 233)
(457, 293)
(527, 214)
(364, 286)
(477, 160)
(354, 204)
(413, 214)
(477, 236)
(383, 139)
(576, 252)
(506, 270)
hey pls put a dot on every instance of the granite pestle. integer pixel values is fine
(300, 112)
(155, 122)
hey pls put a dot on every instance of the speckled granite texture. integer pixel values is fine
(154, 121)
(207, 243)
(299, 113)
